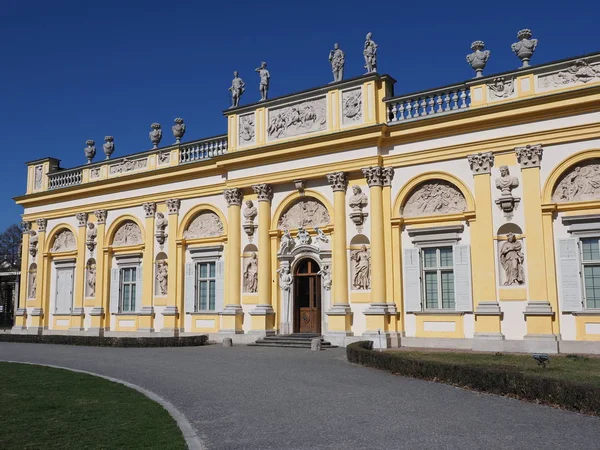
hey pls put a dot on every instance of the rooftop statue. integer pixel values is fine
(337, 58)
(237, 89)
(525, 47)
(370, 54)
(265, 77)
(479, 58)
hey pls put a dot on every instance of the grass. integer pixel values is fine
(43, 407)
(575, 368)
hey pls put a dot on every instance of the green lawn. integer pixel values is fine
(570, 367)
(46, 408)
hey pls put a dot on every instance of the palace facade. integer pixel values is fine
(462, 217)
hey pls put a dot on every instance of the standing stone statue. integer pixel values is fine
(108, 146)
(337, 58)
(285, 278)
(525, 47)
(178, 130)
(155, 134)
(512, 258)
(251, 275)
(479, 58)
(90, 150)
(370, 54)
(162, 276)
(91, 280)
(361, 279)
(287, 243)
(237, 89)
(265, 77)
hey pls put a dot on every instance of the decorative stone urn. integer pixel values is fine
(479, 58)
(525, 47)
(109, 146)
(156, 134)
(90, 150)
(178, 130)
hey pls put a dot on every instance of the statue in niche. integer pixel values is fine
(161, 225)
(33, 242)
(361, 279)
(207, 224)
(162, 276)
(303, 236)
(90, 291)
(90, 236)
(325, 273)
(237, 89)
(506, 183)
(251, 275)
(321, 236)
(64, 241)
(287, 243)
(32, 287)
(337, 60)
(265, 78)
(434, 198)
(305, 213)
(370, 54)
(512, 258)
(285, 278)
(580, 184)
(128, 234)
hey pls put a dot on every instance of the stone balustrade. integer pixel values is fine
(429, 103)
(207, 148)
(65, 178)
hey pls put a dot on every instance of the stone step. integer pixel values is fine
(292, 338)
(287, 344)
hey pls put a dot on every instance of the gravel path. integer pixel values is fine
(271, 398)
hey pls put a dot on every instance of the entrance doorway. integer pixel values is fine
(307, 297)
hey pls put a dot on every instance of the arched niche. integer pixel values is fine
(509, 228)
(32, 281)
(578, 183)
(90, 278)
(307, 211)
(63, 239)
(434, 198)
(161, 274)
(127, 233)
(358, 240)
(205, 224)
(250, 248)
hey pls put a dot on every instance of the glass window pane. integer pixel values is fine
(448, 290)
(590, 249)
(203, 270)
(591, 275)
(429, 257)
(203, 295)
(132, 300)
(211, 305)
(126, 296)
(212, 269)
(126, 275)
(431, 290)
(446, 256)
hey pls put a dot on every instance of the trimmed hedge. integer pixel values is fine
(97, 341)
(570, 395)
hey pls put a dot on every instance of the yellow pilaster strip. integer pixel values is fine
(77, 315)
(145, 322)
(100, 312)
(232, 315)
(174, 314)
(547, 221)
(37, 320)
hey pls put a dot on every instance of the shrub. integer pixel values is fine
(97, 341)
(496, 380)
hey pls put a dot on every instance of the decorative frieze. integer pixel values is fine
(338, 181)
(579, 183)
(206, 224)
(434, 198)
(578, 73)
(307, 212)
(529, 156)
(149, 209)
(306, 117)
(373, 175)
(481, 163)
(82, 219)
(42, 224)
(264, 192)
(64, 241)
(128, 165)
(173, 205)
(101, 216)
(234, 196)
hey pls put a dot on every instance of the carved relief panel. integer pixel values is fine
(38, 177)
(128, 234)
(300, 118)
(581, 72)
(64, 242)
(579, 183)
(307, 213)
(246, 130)
(352, 107)
(127, 165)
(433, 198)
(206, 224)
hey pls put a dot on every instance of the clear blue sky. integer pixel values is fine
(78, 70)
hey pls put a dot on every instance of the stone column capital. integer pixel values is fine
(149, 209)
(82, 219)
(173, 205)
(481, 163)
(388, 175)
(42, 223)
(101, 216)
(233, 196)
(338, 181)
(263, 191)
(374, 176)
(25, 227)
(529, 156)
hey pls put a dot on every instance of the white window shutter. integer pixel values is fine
(71, 281)
(219, 284)
(138, 288)
(463, 296)
(190, 286)
(114, 290)
(60, 291)
(570, 277)
(412, 280)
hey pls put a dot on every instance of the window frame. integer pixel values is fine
(133, 293)
(587, 263)
(197, 283)
(438, 270)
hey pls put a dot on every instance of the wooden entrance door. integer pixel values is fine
(307, 297)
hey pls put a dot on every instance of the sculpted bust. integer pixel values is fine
(358, 200)
(506, 183)
(250, 212)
